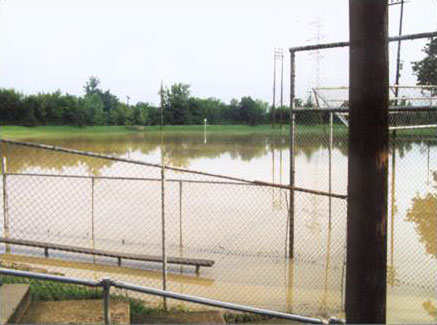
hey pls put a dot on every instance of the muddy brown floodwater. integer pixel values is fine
(243, 228)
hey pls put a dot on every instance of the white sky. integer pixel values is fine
(222, 49)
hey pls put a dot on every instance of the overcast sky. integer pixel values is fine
(223, 49)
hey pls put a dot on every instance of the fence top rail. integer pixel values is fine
(344, 44)
(173, 295)
(345, 109)
(188, 171)
(390, 86)
(121, 178)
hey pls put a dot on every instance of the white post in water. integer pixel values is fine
(204, 130)
(5, 206)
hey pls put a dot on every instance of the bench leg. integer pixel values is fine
(197, 269)
(119, 261)
(46, 252)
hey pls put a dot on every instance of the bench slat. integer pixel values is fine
(91, 251)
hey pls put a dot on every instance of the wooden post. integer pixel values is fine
(367, 166)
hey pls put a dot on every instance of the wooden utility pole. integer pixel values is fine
(367, 165)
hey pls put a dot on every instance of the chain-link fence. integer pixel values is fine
(322, 120)
(85, 215)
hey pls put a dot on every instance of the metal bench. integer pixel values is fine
(119, 256)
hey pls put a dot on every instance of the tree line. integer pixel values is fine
(101, 107)
(179, 107)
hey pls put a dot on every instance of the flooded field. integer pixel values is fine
(242, 227)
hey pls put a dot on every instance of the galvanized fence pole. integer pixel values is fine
(180, 217)
(331, 142)
(92, 211)
(391, 273)
(5, 205)
(164, 255)
(292, 168)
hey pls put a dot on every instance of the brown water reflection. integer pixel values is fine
(424, 214)
(181, 149)
(243, 228)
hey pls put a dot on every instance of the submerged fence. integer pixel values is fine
(90, 215)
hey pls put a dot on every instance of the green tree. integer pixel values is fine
(53, 107)
(93, 105)
(176, 104)
(110, 101)
(141, 114)
(73, 112)
(426, 69)
(251, 111)
(92, 86)
(10, 106)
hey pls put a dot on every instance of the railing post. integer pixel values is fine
(106, 283)
(5, 205)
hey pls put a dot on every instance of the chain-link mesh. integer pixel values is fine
(412, 179)
(115, 206)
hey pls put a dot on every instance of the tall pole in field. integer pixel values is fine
(366, 271)
(274, 89)
(282, 88)
(161, 93)
(398, 57)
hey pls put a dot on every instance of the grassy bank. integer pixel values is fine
(21, 132)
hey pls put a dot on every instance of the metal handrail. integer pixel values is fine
(107, 283)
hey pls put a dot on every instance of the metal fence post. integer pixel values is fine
(5, 205)
(180, 216)
(164, 255)
(106, 283)
(292, 168)
(331, 142)
(92, 211)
